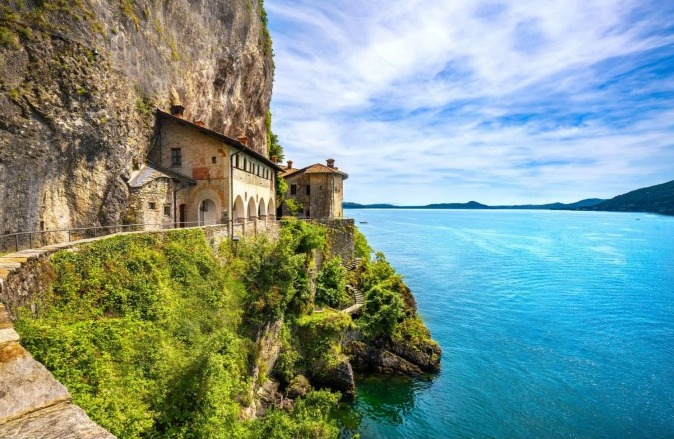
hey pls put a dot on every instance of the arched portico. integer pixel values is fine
(262, 210)
(271, 208)
(252, 209)
(239, 213)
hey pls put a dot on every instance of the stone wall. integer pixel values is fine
(152, 204)
(340, 237)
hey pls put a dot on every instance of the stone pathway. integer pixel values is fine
(33, 404)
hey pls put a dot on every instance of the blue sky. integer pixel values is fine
(525, 101)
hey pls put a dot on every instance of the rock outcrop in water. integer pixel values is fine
(80, 81)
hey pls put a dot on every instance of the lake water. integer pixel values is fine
(552, 324)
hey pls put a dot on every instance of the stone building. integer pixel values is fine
(197, 176)
(317, 191)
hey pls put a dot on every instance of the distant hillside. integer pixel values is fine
(652, 199)
(475, 205)
(350, 205)
(589, 202)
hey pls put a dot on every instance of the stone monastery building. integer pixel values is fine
(318, 190)
(197, 176)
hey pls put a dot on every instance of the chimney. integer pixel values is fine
(290, 164)
(242, 138)
(331, 163)
(177, 110)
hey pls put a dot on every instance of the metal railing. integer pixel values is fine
(26, 240)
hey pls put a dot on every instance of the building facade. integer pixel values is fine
(201, 177)
(316, 191)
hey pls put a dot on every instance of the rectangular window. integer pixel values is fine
(293, 189)
(167, 210)
(213, 160)
(152, 205)
(176, 157)
(308, 190)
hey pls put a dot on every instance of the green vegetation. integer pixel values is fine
(156, 336)
(331, 284)
(144, 105)
(281, 188)
(145, 331)
(310, 418)
(387, 299)
(265, 36)
(653, 199)
(274, 148)
(321, 334)
(129, 10)
(293, 206)
(8, 38)
(361, 248)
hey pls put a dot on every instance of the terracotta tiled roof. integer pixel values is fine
(316, 168)
(233, 142)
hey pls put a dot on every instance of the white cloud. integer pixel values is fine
(516, 101)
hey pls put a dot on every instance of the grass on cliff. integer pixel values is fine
(145, 332)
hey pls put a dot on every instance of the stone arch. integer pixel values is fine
(206, 209)
(239, 211)
(208, 214)
(262, 209)
(252, 209)
(271, 208)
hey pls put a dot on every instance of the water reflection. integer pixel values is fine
(384, 399)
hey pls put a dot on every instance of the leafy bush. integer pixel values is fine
(293, 206)
(302, 236)
(376, 272)
(284, 368)
(321, 335)
(382, 311)
(310, 418)
(361, 248)
(272, 275)
(331, 284)
(142, 331)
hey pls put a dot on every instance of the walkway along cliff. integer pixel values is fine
(299, 338)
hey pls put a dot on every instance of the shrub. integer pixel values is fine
(361, 248)
(331, 284)
(382, 311)
(310, 418)
(141, 330)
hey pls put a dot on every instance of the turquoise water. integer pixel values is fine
(552, 324)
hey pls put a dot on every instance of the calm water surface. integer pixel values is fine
(552, 324)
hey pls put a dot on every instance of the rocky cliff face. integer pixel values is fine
(79, 81)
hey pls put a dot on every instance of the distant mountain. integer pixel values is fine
(652, 199)
(468, 205)
(350, 205)
(476, 205)
(589, 202)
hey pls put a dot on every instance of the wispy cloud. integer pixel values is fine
(498, 101)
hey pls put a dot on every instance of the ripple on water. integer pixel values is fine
(552, 324)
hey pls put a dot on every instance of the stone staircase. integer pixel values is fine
(357, 294)
(353, 264)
